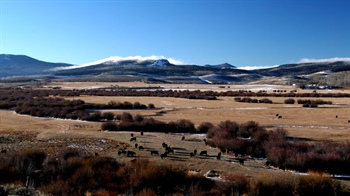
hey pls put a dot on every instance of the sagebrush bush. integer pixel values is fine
(272, 184)
(317, 185)
(289, 101)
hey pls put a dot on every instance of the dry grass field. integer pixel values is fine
(309, 123)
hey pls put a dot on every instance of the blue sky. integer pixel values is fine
(239, 32)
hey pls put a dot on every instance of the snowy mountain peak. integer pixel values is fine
(152, 61)
(160, 63)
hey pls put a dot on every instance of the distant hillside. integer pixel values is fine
(21, 65)
(161, 70)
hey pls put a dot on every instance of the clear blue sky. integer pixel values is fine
(239, 32)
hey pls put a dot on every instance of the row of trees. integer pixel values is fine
(128, 122)
(250, 100)
(72, 171)
(198, 94)
(9, 96)
(72, 109)
(308, 102)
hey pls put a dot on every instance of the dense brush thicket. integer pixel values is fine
(251, 139)
(75, 172)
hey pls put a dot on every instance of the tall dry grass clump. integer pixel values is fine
(273, 184)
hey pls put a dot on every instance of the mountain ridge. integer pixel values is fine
(161, 69)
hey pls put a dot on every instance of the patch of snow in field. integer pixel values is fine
(253, 108)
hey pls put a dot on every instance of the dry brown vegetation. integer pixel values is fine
(19, 132)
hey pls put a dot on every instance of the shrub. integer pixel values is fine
(126, 117)
(108, 115)
(238, 183)
(29, 160)
(151, 105)
(204, 127)
(272, 184)
(317, 185)
(289, 101)
(110, 126)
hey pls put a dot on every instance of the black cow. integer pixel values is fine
(133, 139)
(121, 152)
(241, 161)
(203, 153)
(141, 133)
(191, 154)
(154, 152)
(132, 135)
(218, 157)
(183, 138)
(130, 153)
(195, 151)
(169, 150)
(163, 155)
(136, 145)
(141, 148)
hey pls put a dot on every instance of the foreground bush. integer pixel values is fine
(75, 172)
(317, 185)
(273, 185)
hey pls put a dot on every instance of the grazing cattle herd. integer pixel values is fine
(169, 151)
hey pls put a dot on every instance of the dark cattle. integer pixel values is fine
(141, 148)
(203, 153)
(192, 154)
(121, 152)
(183, 138)
(195, 151)
(154, 152)
(348, 121)
(96, 154)
(141, 133)
(336, 116)
(241, 161)
(136, 145)
(164, 145)
(132, 135)
(218, 157)
(4, 151)
(130, 153)
(133, 139)
(279, 116)
(169, 150)
(163, 155)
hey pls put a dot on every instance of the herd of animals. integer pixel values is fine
(169, 150)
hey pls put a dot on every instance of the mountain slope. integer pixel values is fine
(21, 65)
(162, 70)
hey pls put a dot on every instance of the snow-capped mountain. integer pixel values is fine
(150, 61)
(162, 69)
(159, 63)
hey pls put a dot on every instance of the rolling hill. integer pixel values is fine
(161, 70)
